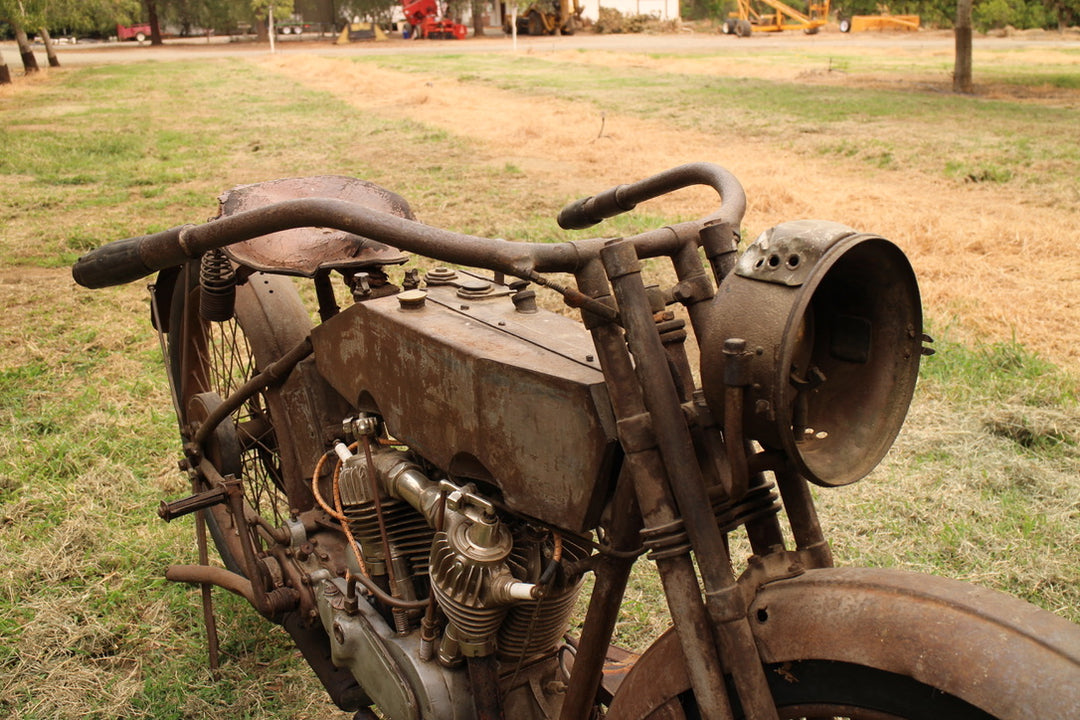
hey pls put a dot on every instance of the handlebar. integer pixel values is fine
(123, 261)
(589, 211)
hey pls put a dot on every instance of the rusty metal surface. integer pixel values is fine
(786, 254)
(305, 251)
(832, 360)
(992, 650)
(644, 466)
(921, 626)
(506, 387)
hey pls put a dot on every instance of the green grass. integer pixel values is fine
(981, 485)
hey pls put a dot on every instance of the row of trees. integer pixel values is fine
(37, 16)
(95, 18)
(100, 17)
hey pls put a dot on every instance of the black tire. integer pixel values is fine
(728, 27)
(536, 24)
(743, 29)
(208, 359)
(815, 689)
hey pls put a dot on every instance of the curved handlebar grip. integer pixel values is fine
(122, 261)
(582, 214)
(590, 211)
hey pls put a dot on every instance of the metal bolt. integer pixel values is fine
(361, 286)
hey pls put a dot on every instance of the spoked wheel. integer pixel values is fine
(823, 690)
(209, 360)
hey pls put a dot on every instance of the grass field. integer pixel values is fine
(982, 485)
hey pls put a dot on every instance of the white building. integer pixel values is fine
(661, 9)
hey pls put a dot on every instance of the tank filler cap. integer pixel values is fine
(412, 299)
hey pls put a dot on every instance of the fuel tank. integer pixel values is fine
(480, 382)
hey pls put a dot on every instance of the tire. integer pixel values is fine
(536, 24)
(209, 360)
(743, 29)
(140, 37)
(845, 25)
(823, 689)
(728, 27)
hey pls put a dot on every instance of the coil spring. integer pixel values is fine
(671, 540)
(217, 279)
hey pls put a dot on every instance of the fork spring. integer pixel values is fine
(217, 279)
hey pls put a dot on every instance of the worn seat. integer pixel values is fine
(307, 251)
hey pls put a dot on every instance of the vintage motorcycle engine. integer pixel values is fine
(500, 585)
(469, 377)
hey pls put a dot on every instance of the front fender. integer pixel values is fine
(998, 653)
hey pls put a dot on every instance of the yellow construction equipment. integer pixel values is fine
(860, 23)
(360, 31)
(548, 17)
(752, 15)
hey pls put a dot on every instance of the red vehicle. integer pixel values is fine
(133, 32)
(424, 16)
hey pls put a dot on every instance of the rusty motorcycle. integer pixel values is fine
(417, 487)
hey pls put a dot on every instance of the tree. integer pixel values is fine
(270, 10)
(478, 17)
(1066, 12)
(5, 74)
(20, 15)
(155, 25)
(26, 52)
(50, 52)
(90, 16)
(962, 67)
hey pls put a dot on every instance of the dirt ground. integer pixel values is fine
(999, 261)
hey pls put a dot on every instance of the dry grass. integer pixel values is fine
(990, 255)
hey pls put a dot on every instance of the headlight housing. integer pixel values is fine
(833, 329)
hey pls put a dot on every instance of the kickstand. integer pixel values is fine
(207, 601)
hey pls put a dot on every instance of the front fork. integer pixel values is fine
(670, 488)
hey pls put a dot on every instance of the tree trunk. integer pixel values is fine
(155, 26)
(478, 18)
(962, 69)
(50, 51)
(262, 33)
(25, 51)
(270, 29)
(5, 74)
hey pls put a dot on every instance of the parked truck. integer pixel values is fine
(139, 32)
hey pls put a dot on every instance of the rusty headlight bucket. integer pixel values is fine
(833, 329)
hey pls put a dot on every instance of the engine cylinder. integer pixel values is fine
(464, 575)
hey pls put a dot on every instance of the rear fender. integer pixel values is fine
(998, 653)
